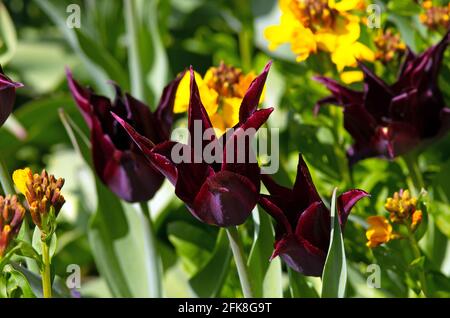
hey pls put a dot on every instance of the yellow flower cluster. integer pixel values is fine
(221, 91)
(43, 195)
(325, 25)
(435, 17)
(388, 44)
(401, 206)
(402, 209)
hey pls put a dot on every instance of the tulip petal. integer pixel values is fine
(304, 189)
(238, 155)
(164, 111)
(7, 96)
(300, 256)
(252, 96)
(283, 225)
(127, 174)
(345, 203)
(314, 226)
(225, 199)
(342, 95)
(197, 114)
(81, 97)
(377, 94)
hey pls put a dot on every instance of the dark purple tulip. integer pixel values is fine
(7, 95)
(220, 193)
(303, 221)
(390, 120)
(117, 160)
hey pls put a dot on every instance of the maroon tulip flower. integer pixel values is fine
(223, 192)
(303, 221)
(390, 120)
(7, 96)
(117, 161)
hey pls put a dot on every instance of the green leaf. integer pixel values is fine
(147, 58)
(260, 253)
(101, 57)
(299, 287)
(59, 289)
(8, 37)
(17, 284)
(208, 281)
(56, 12)
(192, 244)
(79, 140)
(404, 7)
(334, 277)
(25, 249)
(121, 245)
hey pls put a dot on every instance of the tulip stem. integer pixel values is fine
(418, 254)
(46, 275)
(155, 274)
(240, 260)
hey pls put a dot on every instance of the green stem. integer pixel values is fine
(156, 270)
(415, 175)
(240, 260)
(46, 275)
(5, 179)
(245, 47)
(339, 148)
(418, 254)
(134, 63)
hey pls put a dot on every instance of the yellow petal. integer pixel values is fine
(282, 33)
(209, 99)
(349, 77)
(326, 41)
(346, 5)
(20, 178)
(362, 52)
(230, 111)
(348, 30)
(183, 94)
(343, 57)
(218, 124)
(303, 43)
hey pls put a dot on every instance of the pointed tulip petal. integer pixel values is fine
(345, 203)
(304, 188)
(251, 99)
(164, 111)
(198, 117)
(7, 96)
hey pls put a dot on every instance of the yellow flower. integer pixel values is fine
(20, 178)
(326, 25)
(221, 91)
(416, 219)
(379, 231)
(43, 195)
(401, 206)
